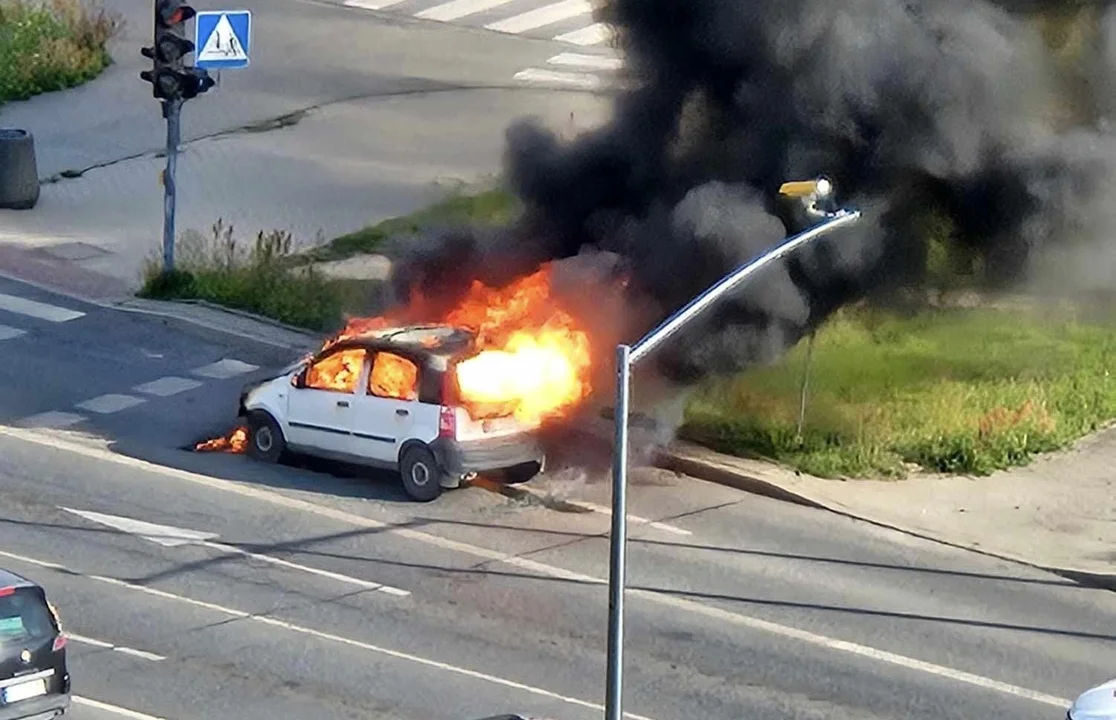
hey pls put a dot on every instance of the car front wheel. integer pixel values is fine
(422, 478)
(265, 438)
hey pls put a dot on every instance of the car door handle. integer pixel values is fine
(401, 411)
(342, 403)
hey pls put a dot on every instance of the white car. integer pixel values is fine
(1098, 703)
(386, 399)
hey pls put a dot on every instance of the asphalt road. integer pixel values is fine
(323, 593)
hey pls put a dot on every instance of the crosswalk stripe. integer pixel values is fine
(456, 9)
(540, 75)
(594, 62)
(372, 4)
(532, 19)
(7, 333)
(31, 308)
(594, 34)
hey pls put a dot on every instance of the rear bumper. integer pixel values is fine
(462, 457)
(47, 706)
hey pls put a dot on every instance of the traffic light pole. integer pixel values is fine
(172, 111)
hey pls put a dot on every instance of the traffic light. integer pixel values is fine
(169, 76)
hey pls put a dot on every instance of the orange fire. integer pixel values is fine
(394, 376)
(337, 372)
(534, 360)
(235, 442)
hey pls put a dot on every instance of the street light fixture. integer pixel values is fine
(816, 195)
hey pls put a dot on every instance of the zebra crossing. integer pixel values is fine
(30, 318)
(591, 64)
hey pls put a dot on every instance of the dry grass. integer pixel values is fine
(49, 45)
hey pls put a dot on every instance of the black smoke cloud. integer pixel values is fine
(906, 104)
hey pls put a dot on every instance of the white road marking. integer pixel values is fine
(109, 646)
(456, 9)
(167, 386)
(303, 630)
(592, 62)
(555, 77)
(372, 4)
(522, 563)
(170, 536)
(106, 404)
(594, 34)
(225, 369)
(634, 518)
(42, 311)
(539, 17)
(114, 709)
(366, 584)
(52, 419)
(9, 333)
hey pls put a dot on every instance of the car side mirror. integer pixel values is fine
(299, 380)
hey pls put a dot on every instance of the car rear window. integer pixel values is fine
(24, 616)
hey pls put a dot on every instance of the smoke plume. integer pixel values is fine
(956, 105)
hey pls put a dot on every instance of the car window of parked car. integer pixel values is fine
(24, 616)
(338, 372)
(393, 376)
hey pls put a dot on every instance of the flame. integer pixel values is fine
(235, 442)
(337, 372)
(394, 376)
(533, 360)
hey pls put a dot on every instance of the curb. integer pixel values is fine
(663, 458)
(709, 473)
(667, 459)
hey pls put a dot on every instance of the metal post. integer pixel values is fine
(803, 394)
(172, 111)
(618, 540)
(626, 357)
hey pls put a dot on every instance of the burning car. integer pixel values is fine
(392, 397)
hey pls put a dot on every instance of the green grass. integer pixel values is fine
(958, 391)
(269, 277)
(49, 45)
(486, 208)
(255, 278)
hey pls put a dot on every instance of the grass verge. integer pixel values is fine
(486, 208)
(952, 390)
(49, 45)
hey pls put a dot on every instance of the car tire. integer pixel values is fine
(422, 477)
(265, 438)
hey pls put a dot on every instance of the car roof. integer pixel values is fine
(423, 340)
(10, 579)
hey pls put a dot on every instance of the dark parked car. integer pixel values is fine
(34, 678)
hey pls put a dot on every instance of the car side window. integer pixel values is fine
(393, 376)
(338, 372)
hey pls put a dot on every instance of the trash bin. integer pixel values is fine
(19, 172)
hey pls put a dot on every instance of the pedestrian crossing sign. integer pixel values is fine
(222, 38)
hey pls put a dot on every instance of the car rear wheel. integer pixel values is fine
(422, 477)
(265, 438)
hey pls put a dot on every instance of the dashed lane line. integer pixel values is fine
(83, 640)
(673, 602)
(318, 634)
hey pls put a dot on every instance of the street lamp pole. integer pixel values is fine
(626, 357)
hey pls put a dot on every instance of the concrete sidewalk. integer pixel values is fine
(342, 120)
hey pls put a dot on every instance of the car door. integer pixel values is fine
(321, 405)
(385, 410)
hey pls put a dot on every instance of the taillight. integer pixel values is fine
(447, 423)
(59, 643)
(7, 591)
